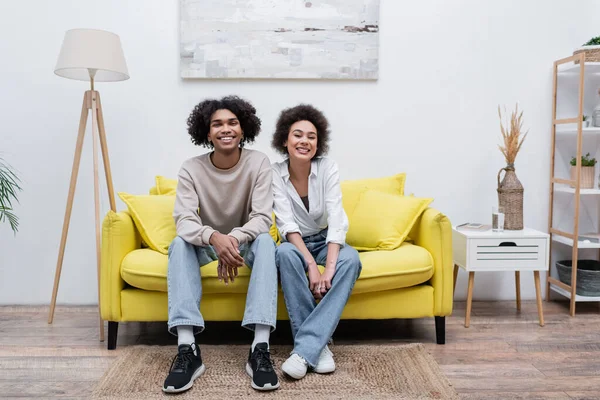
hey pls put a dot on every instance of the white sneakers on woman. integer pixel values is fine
(325, 365)
(296, 366)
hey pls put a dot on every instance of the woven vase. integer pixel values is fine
(510, 197)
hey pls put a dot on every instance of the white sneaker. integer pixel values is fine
(295, 366)
(325, 364)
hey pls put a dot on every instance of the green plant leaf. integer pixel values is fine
(13, 220)
(9, 186)
(586, 161)
(593, 41)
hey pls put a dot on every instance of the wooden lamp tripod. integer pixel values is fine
(89, 55)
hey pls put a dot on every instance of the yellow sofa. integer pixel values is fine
(414, 280)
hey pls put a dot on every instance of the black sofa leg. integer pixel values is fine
(440, 330)
(113, 327)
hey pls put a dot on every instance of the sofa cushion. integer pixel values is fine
(165, 185)
(352, 189)
(405, 266)
(153, 218)
(147, 269)
(382, 221)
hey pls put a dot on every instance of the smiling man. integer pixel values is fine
(222, 212)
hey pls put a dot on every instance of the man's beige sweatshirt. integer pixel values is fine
(236, 201)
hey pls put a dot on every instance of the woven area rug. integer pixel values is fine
(362, 372)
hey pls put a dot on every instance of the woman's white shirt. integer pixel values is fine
(324, 200)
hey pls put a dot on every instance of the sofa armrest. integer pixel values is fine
(119, 237)
(433, 231)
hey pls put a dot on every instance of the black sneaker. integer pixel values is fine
(185, 368)
(260, 368)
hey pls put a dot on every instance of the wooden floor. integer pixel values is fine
(502, 355)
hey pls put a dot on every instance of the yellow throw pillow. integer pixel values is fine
(351, 190)
(382, 221)
(166, 185)
(153, 218)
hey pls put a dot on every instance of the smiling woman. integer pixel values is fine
(307, 202)
(301, 113)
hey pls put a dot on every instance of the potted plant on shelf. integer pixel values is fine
(591, 49)
(9, 185)
(586, 121)
(587, 171)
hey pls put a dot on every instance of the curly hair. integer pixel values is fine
(199, 120)
(301, 112)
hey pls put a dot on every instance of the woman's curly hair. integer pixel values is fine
(302, 112)
(199, 120)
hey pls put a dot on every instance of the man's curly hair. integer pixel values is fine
(199, 120)
(301, 112)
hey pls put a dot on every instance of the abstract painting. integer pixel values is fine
(279, 39)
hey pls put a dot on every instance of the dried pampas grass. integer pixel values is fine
(511, 135)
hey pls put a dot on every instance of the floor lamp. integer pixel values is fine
(94, 56)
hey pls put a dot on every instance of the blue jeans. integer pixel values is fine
(313, 324)
(185, 287)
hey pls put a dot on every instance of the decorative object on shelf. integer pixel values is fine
(9, 185)
(586, 121)
(588, 276)
(587, 171)
(596, 113)
(510, 190)
(591, 49)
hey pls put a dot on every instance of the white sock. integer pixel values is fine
(185, 335)
(261, 334)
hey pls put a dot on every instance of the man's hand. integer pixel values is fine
(227, 250)
(314, 276)
(325, 281)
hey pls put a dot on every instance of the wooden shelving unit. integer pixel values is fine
(565, 130)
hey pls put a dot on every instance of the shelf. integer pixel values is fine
(569, 242)
(573, 69)
(573, 131)
(567, 294)
(582, 192)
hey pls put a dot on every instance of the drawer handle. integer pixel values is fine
(508, 244)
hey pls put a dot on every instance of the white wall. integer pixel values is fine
(444, 68)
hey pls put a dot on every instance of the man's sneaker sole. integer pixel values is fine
(197, 374)
(267, 386)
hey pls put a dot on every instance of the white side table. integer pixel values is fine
(525, 250)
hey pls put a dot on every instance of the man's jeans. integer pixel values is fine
(313, 324)
(185, 287)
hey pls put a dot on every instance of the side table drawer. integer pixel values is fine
(510, 253)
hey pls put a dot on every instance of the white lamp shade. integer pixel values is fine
(91, 49)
